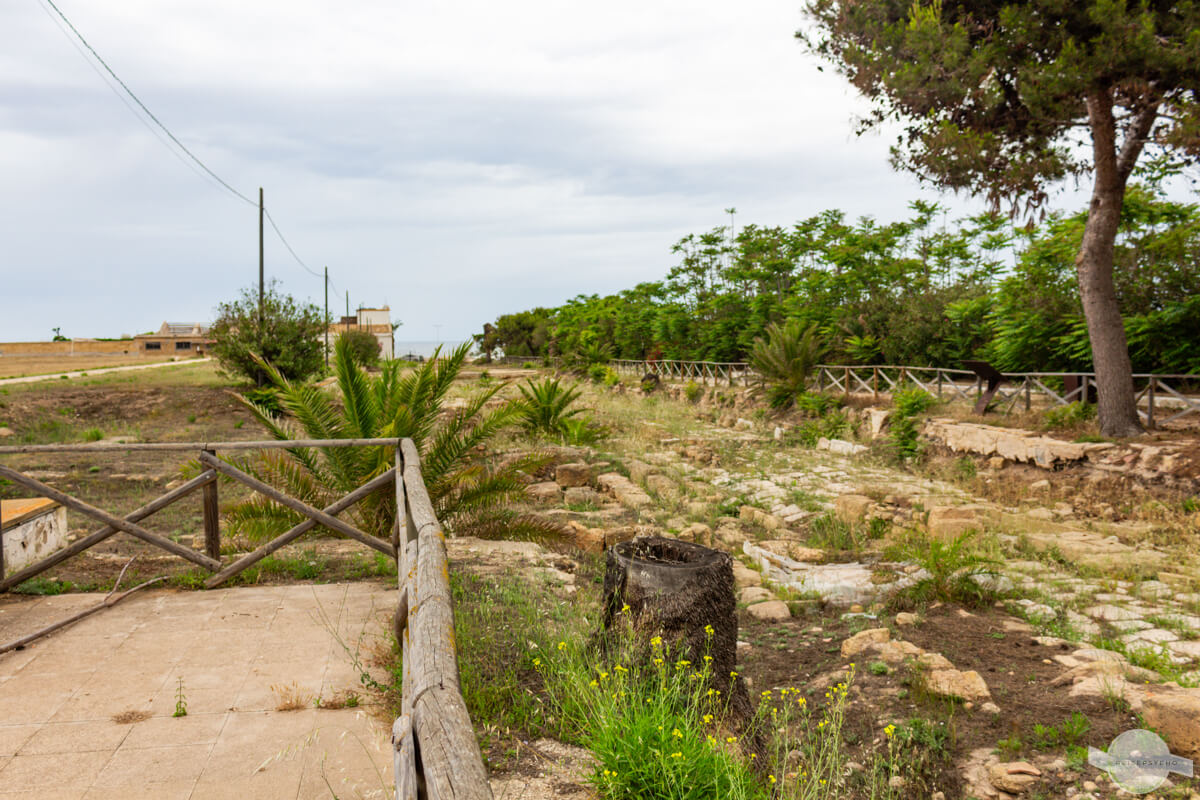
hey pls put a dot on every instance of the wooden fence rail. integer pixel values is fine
(1160, 398)
(436, 753)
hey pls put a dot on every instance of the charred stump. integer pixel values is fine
(680, 590)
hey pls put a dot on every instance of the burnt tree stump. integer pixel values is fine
(678, 589)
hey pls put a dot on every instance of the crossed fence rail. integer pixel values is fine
(1160, 398)
(436, 753)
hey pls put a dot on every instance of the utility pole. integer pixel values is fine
(347, 302)
(326, 317)
(260, 257)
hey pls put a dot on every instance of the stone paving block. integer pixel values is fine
(141, 769)
(1110, 613)
(168, 731)
(71, 737)
(12, 737)
(38, 774)
(162, 791)
(30, 698)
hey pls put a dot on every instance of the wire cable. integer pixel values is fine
(117, 93)
(142, 106)
(195, 161)
(279, 233)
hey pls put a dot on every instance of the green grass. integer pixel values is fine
(46, 586)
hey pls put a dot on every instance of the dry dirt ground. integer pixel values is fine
(20, 366)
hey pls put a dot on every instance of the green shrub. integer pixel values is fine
(816, 404)
(597, 372)
(611, 378)
(289, 336)
(912, 401)
(363, 346)
(693, 392)
(93, 435)
(528, 365)
(266, 400)
(582, 431)
(1069, 416)
(657, 729)
(835, 425)
(907, 405)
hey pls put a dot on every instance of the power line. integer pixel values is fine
(195, 161)
(279, 233)
(116, 93)
(142, 105)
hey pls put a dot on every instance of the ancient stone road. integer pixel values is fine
(241, 653)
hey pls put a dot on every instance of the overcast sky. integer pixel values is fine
(455, 160)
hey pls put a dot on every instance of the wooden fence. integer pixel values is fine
(436, 753)
(1156, 397)
(717, 373)
(1160, 398)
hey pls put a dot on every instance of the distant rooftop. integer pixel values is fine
(183, 329)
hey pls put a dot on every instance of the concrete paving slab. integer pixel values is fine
(87, 711)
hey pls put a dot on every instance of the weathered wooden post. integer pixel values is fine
(212, 518)
(683, 592)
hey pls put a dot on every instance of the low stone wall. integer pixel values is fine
(1009, 443)
(35, 535)
(1173, 462)
(69, 348)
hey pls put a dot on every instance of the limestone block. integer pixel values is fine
(743, 576)
(547, 492)
(624, 490)
(579, 495)
(863, 640)
(770, 611)
(1176, 715)
(852, 508)
(966, 685)
(574, 474)
(662, 486)
(1014, 777)
(754, 594)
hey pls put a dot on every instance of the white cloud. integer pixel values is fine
(456, 159)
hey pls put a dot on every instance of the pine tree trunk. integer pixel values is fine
(1094, 266)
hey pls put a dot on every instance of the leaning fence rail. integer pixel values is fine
(436, 753)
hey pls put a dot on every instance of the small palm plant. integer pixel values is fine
(470, 496)
(785, 359)
(545, 406)
(954, 570)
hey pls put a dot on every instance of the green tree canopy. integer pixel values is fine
(287, 334)
(1005, 99)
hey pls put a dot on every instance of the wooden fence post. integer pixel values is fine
(1028, 393)
(212, 518)
(1150, 401)
(875, 384)
(939, 380)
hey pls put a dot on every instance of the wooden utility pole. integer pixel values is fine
(260, 257)
(326, 317)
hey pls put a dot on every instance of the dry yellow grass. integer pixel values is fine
(291, 697)
(21, 366)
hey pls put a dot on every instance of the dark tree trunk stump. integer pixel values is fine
(677, 590)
